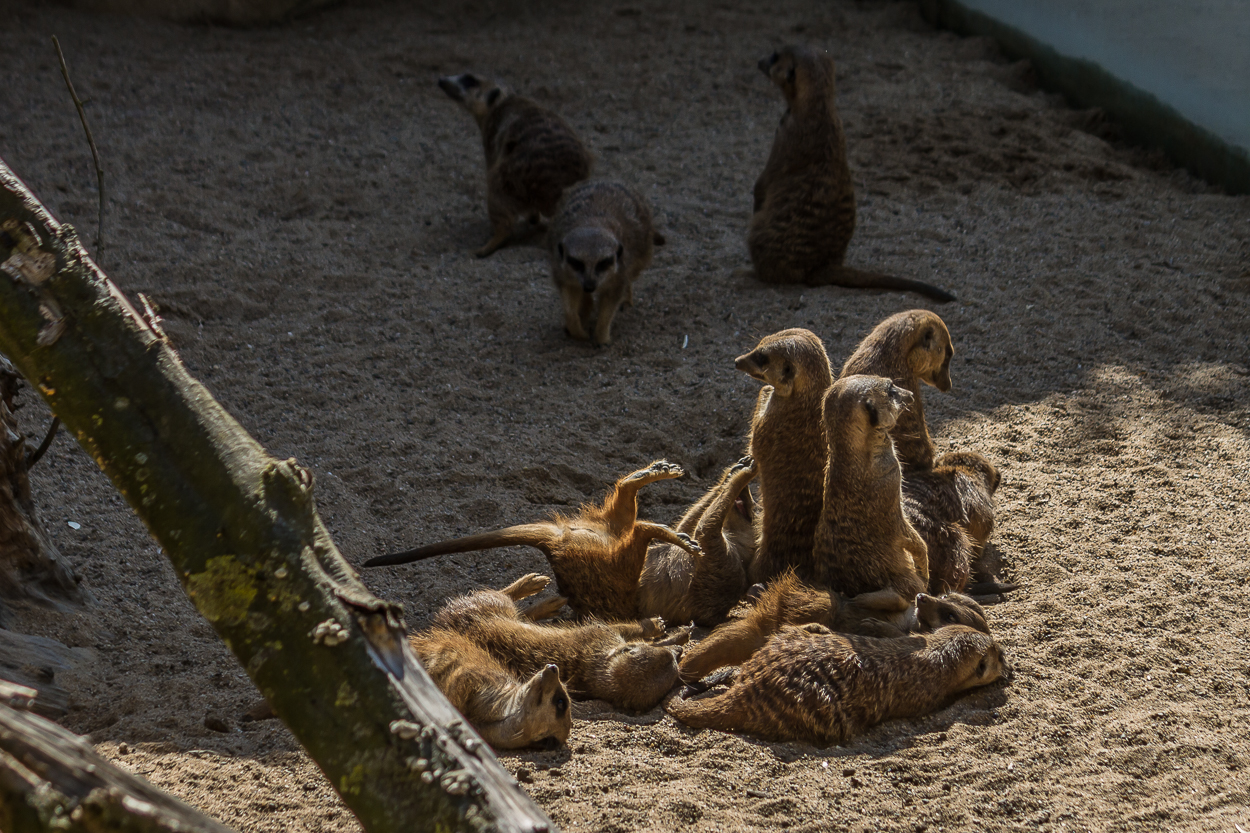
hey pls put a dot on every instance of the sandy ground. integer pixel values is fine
(303, 201)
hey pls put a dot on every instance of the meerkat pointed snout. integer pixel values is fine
(591, 255)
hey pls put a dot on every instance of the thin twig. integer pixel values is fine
(95, 154)
(34, 456)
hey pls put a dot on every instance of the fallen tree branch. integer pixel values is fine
(242, 533)
(53, 779)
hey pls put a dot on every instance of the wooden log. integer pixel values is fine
(245, 540)
(51, 779)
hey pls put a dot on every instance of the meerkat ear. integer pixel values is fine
(790, 74)
(874, 419)
(494, 96)
(620, 252)
(787, 373)
(560, 250)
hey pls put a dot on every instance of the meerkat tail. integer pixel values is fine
(722, 711)
(849, 276)
(532, 535)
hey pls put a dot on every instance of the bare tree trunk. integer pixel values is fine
(242, 533)
(30, 565)
(51, 779)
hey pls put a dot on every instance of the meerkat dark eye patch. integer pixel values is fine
(469, 82)
(620, 251)
(493, 97)
(760, 359)
(579, 265)
(604, 265)
(560, 250)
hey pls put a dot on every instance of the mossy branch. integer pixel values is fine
(244, 537)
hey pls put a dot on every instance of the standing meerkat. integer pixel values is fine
(597, 555)
(863, 542)
(597, 660)
(823, 688)
(788, 601)
(600, 240)
(787, 441)
(532, 154)
(681, 587)
(949, 499)
(804, 212)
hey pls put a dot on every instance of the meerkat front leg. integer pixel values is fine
(660, 532)
(610, 298)
(919, 551)
(887, 599)
(620, 508)
(575, 301)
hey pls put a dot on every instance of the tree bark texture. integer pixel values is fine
(30, 565)
(246, 542)
(51, 779)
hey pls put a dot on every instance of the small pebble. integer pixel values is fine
(123, 749)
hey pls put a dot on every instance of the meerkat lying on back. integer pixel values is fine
(600, 240)
(597, 555)
(532, 154)
(805, 200)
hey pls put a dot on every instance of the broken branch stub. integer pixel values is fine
(247, 544)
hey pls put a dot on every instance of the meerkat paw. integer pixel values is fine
(753, 594)
(652, 627)
(689, 544)
(659, 470)
(679, 636)
(815, 629)
(526, 586)
(545, 609)
(747, 462)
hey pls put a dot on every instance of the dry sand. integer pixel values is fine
(303, 202)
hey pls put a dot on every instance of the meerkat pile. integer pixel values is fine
(851, 558)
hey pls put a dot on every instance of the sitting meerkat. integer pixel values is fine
(787, 600)
(817, 687)
(597, 555)
(599, 241)
(532, 154)
(863, 541)
(804, 212)
(597, 660)
(787, 441)
(949, 500)
(681, 587)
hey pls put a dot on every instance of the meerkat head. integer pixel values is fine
(873, 402)
(791, 361)
(975, 463)
(973, 658)
(930, 355)
(478, 95)
(544, 715)
(642, 673)
(933, 612)
(588, 256)
(799, 72)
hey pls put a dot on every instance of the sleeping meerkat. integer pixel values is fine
(532, 154)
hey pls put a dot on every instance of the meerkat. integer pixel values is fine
(824, 688)
(787, 441)
(507, 713)
(597, 660)
(804, 212)
(681, 587)
(532, 154)
(600, 240)
(863, 541)
(597, 555)
(948, 500)
(787, 600)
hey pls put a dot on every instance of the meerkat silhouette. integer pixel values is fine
(599, 241)
(681, 587)
(787, 600)
(863, 541)
(804, 212)
(597, 555)
(598, 660)
(532, 154)
(787, 441)
(507, 712)
(949, 499)
(810, 685)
